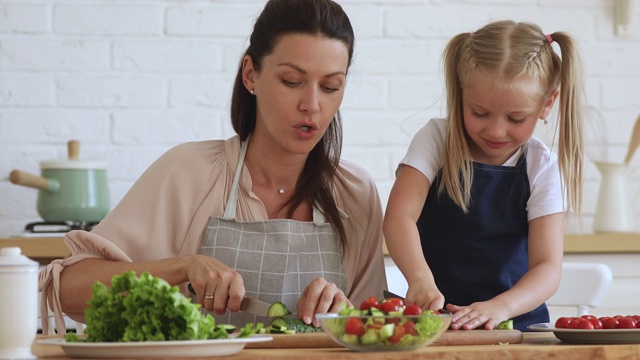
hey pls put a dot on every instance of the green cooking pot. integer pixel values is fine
(70, 190)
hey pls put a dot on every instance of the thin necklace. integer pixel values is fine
(281, 190)
(278, 189)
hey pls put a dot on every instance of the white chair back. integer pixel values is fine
(583, 285)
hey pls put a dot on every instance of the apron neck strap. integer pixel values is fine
(230, 209)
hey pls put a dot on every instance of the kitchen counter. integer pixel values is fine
(45, 249)
(535, 346)
(41, 249)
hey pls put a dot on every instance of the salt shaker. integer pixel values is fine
(18, 304)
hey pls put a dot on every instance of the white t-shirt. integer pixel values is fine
(542, 167)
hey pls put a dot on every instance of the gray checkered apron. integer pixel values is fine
(276, 258)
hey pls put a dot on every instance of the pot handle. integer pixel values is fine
(24, 178)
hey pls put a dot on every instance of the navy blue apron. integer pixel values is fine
(483, 253)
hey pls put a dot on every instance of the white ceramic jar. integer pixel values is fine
(18, 304)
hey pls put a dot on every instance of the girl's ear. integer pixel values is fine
(548, 104)
(248, 73)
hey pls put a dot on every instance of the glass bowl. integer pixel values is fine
(384, 333)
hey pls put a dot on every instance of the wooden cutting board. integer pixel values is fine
(451, 337)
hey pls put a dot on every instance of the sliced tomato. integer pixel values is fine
(371, 302)
(354, 326)
(398, 333)
(410, 328)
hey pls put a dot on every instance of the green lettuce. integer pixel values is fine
(145, 309)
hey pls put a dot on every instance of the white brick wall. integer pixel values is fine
(130, 79)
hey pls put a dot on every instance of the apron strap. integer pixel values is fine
(230, 209)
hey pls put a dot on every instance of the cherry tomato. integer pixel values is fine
(563, 322)
(389, 306)
(597, 324)
(585, 324)
(626, 323)
(398, 333)
(588, 317)
(575, 323)
(610, 323)
(412, 310)
(354, 326)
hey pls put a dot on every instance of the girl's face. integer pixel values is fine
(298, 90)
(500, 115)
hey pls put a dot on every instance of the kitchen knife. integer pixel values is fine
(249, 304)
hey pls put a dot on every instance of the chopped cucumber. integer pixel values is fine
(277, 309)
(229, 328)
(370, 337)
(505, 325)
(350, 338)
(386, 331)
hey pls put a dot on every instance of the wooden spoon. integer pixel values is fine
(635, 141)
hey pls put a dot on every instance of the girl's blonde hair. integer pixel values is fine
(509, 50)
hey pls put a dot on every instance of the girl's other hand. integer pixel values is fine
(320, 296)
(427, 297)
(487, 314)
(217, 286)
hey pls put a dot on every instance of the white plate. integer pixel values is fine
(591, 336)
(155, 349)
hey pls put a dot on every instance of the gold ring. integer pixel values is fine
(208, 296)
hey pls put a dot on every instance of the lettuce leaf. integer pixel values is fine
(144, 309)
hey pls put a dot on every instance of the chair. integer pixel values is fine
(583, 285)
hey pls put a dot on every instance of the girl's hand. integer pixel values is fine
(217, 286)
(425, 296)
(486, 313)
(320, 296)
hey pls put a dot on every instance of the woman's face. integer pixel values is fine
(298, 90)
(501, 115)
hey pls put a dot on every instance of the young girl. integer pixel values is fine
(475, 217)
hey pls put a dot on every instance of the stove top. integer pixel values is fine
(58, 226)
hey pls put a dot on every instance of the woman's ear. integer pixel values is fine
(548, 104)
(248, 73)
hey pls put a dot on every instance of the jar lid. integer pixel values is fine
(73, 164)
(11, 256)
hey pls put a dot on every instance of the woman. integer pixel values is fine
(271, 213)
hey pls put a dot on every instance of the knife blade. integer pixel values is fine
(249, 304)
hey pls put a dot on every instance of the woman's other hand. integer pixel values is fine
(320, 296)
(217, 286)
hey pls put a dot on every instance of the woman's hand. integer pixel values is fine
(425, 296)
(217, 286)
(488, 313)
(320, 296)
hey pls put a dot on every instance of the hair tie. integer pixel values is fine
(549, 39)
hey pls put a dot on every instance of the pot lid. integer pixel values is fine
(73, 148)
(11, 256)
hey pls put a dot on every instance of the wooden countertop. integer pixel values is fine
(46, 249)
(601, 243)
(535, 346)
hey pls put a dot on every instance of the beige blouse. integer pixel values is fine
(166, 212)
